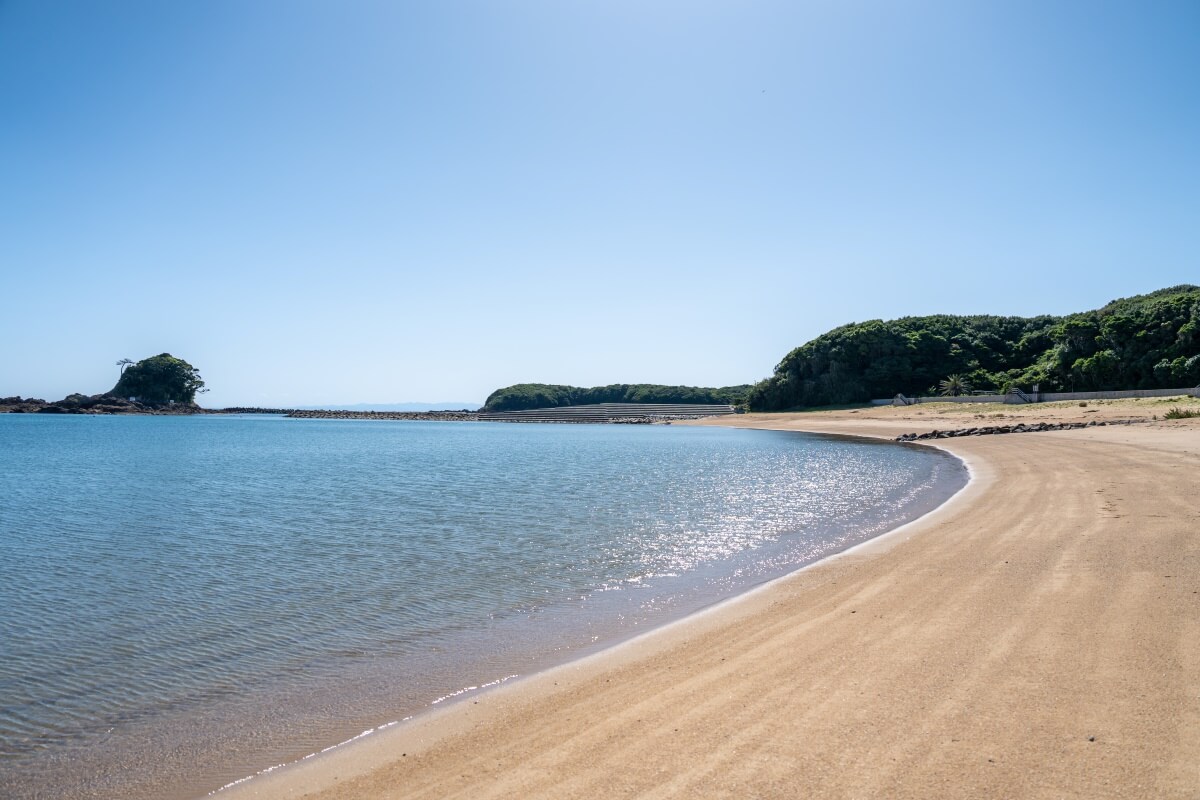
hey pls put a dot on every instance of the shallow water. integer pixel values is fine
(185, 601)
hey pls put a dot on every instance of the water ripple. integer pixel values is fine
(158, 571)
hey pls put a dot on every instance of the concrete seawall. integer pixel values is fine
(1041, 397)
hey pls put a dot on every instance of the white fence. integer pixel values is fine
(901, 400)
(1017, 396)
(1050, 397)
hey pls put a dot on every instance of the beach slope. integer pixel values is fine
(1038, 636)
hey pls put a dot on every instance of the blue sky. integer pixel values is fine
(318, 202)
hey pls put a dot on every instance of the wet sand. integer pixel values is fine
(1037, 636)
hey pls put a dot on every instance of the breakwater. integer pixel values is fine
(611, 413)
(624, 413)
(418, 416)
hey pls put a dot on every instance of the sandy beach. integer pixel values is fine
(1037, 636)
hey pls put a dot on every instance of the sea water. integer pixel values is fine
(185, 601)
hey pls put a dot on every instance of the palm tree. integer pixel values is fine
(953, 386)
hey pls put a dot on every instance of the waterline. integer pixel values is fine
(192, 599)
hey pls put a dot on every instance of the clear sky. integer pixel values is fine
(326, 202)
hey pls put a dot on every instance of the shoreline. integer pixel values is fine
(433, 714)
(191, 749)
(1071, 671)
(294, 774)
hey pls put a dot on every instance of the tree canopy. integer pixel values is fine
(160, 380)
(522, 396)
(1151, 341)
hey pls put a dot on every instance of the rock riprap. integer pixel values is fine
(992, 430)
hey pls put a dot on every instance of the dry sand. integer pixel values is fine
(1038, 636)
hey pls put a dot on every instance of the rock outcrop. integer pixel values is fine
(90, 404)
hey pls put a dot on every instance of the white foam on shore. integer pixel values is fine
(453, 695)
(269, 770)
(468, 689)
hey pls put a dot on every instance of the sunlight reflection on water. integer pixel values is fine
(186, 600)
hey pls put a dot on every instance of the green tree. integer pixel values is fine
(160, 380)
(953, 386)
(1151, 341)
(524, 396)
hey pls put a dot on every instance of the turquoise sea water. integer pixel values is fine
(186, 601)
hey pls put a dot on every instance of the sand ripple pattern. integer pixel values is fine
(154, 570)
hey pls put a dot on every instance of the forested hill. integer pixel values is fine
(1151, 341)
(540, 395)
